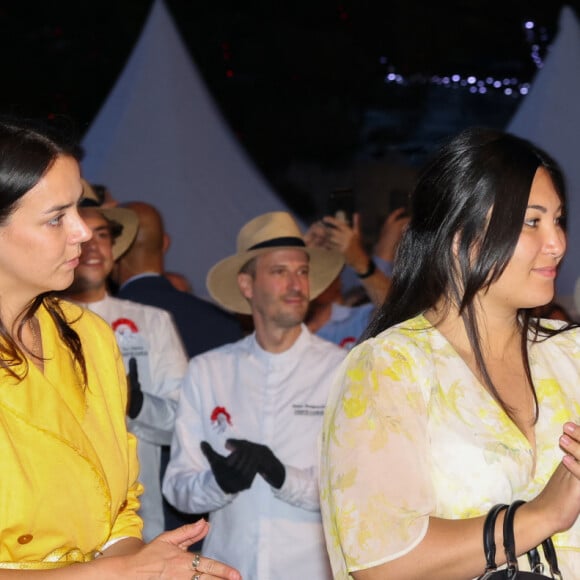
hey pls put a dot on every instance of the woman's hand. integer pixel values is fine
(167, 558)
(560, 499)
(570, 443)
(347, 240)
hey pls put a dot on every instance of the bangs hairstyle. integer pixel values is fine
(28, 149)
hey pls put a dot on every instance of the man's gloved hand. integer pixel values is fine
(246, 454)
(231, 478)
(135, 399)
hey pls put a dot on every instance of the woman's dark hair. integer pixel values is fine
(469, 201)
(28, 150)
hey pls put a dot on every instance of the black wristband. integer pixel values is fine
(370, 270)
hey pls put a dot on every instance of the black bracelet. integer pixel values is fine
(370, 270)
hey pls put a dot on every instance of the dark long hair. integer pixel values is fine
(27, 151)
(470, 200)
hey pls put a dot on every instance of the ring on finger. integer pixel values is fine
(196, 577)
(195, 564)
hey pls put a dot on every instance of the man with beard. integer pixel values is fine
(245, 443)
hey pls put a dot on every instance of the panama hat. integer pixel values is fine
(265, 233)
(126, 219)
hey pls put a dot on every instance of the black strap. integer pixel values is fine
(509, 541)
(535, 562)
(489, 535)
(551, 558)
(509, 545)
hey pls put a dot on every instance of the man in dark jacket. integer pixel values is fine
(139, 275)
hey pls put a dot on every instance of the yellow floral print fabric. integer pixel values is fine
(409, 433)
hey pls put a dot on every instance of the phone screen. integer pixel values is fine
(341, 204)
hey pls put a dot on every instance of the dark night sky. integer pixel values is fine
(296, 80)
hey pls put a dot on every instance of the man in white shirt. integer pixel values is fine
(152, 351)
(245, 443)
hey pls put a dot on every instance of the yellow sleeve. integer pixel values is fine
(127, 522)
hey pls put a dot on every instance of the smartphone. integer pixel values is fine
(341, 204)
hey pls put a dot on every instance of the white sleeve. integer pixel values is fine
(189, 483)
(300, 488)
(168, 361)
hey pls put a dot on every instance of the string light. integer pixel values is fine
(536, 38)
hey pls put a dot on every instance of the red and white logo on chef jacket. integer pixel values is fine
(348, 342)
(125, 326)
(134, 344)
(220, 419)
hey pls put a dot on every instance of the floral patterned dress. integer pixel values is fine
(410, 433)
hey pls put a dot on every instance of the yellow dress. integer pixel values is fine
(68, 467)
(410, 432)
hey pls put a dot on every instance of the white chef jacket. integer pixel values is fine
(149, 335)
(241, 391)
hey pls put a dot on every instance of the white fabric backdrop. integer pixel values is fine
(159, 138)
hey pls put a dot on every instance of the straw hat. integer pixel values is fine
(265, 233)
(126, 218)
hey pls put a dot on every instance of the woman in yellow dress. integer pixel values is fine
(68, 469)
(459, 398)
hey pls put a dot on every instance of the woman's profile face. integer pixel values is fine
(41, 239)
(529, 278)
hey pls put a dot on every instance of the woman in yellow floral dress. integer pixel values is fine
(459, 399)
(69, 491)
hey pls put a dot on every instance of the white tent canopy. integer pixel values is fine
(550, 117)
(159, 138)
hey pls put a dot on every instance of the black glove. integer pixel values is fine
(230, 478)
(135, 392)
(247, 455)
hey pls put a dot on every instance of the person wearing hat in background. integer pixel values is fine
(246, 433)
(154, 357)
(139, 273)
(140, 276)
